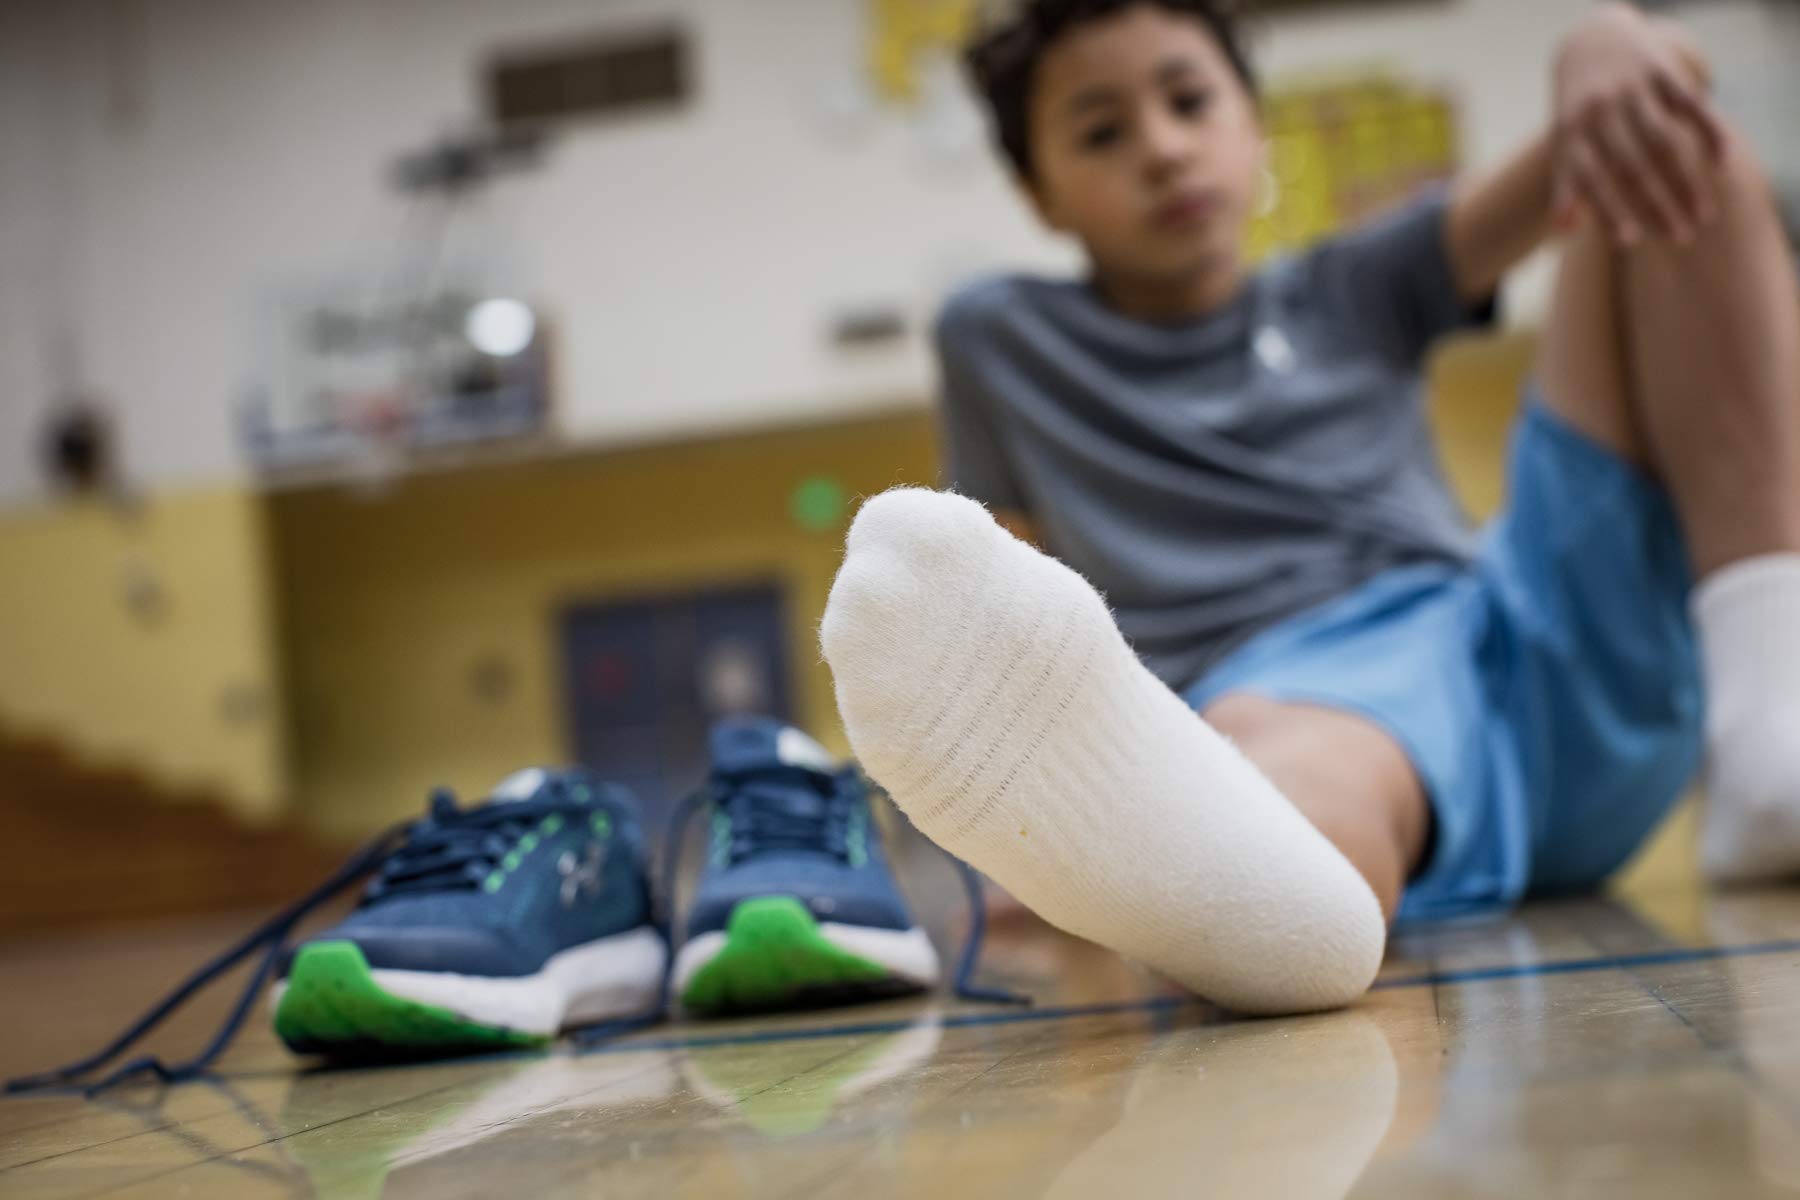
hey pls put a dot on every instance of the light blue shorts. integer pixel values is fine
(1548, 694)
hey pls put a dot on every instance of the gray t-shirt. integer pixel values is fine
(1212, 478)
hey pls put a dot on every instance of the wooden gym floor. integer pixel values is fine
(1641, 1047)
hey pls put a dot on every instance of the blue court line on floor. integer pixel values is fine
(1020, 1016)
(1615, 962)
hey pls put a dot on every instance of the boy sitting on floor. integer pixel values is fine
(1394, 716)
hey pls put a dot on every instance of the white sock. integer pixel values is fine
(986, 687)
(1748, 616)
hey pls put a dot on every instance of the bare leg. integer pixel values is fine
(1712, 333)
(1686, 360)
(1581, 353)
(1345, 774)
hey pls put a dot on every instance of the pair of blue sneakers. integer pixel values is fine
(532, 913)
(512, 921)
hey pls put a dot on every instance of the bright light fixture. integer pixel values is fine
(500, 327)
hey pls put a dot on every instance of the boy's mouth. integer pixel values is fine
(1186, 210)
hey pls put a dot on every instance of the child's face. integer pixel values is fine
(1146, 145)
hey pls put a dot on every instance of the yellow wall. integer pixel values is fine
(390, 602)
(1474, 387)
(183, 691)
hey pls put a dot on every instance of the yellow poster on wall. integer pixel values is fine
(903, 31)
(1343, 147)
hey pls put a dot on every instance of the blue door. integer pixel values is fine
(647, 677)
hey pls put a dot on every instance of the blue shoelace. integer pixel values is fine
(760, 822)
(447, 849)
(270, 938)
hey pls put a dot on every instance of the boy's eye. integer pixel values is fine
(1191, 103)
(1098, 137)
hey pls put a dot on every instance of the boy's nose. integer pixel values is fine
(1167, 145)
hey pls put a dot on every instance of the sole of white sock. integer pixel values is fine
(987, 688)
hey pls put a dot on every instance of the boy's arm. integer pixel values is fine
(1496, 219)
(1630, 144)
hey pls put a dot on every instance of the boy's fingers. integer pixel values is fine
(1597, 188)
(1646, 180)
(1675, 152)
(1695, 108)
(1622, 159)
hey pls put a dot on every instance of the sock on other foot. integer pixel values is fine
(1748, 617)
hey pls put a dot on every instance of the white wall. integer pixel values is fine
(155, 187)
(685, 258)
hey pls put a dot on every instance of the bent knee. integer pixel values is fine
(1244, 717)
(1740, 175)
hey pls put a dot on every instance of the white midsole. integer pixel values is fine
(610, 977)
(907, 953)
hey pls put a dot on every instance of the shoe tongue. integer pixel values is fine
(743, 744)
(520, 785)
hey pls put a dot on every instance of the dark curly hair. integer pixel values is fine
(1003, 58)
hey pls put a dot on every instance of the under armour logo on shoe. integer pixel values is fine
(579, 875)
(1274, 349)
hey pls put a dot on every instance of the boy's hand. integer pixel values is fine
(1636, 138)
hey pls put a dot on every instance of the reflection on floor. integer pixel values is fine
(1593, 1046)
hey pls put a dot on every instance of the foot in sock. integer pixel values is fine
(1748, 616)
(987, 688)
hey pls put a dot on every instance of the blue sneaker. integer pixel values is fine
(505, 923)
(496, 925)
(795, 904)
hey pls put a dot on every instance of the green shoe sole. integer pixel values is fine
(775, 957)
(333, 1006)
